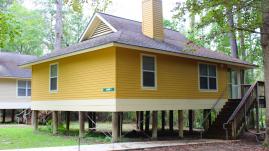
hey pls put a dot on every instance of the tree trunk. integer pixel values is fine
(265, 47)
(232, 36)
(58, 25)
(242, 45)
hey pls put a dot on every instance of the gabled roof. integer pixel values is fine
(9, 65)
(129, 33)
(97, 26)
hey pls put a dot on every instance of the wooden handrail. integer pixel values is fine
(212, 108)
(241, 104)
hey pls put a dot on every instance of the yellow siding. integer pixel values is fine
(177, 78)
(80, 77)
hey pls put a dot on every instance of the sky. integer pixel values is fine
(130, 9)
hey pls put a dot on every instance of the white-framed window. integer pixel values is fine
(23, 88)
(148, 71)
(208, 77)
(53, 87)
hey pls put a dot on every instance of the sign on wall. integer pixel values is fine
(108, 89)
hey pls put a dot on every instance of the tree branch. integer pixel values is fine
(250, 30)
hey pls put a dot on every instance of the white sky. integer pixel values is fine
(130, 9)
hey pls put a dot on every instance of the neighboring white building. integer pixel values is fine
(15, 83)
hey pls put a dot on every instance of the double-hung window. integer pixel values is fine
(53, 77)
(208, 77)
(148, 71)
(23, 88)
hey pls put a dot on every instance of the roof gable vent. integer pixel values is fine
(101, 29)
(97, 26)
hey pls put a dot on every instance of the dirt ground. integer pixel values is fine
(246, 143)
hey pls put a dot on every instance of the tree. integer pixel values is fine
(232, 35)
(265, 46)
(9, 29)
(170, 24)
(72, 19)
(252, 24)
(214, 30)
(58, 25)
(31, 25)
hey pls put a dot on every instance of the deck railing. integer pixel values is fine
(234, 122)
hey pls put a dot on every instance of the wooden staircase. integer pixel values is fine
(216, 130)
(231, 119)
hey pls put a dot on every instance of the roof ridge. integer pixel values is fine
(132, 20)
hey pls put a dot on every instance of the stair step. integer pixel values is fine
(216, 130)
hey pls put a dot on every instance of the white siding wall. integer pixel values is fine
(8, 96)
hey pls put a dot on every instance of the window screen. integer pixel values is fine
(24, 88)
(148, 71)
(54, 77)
(208, 77)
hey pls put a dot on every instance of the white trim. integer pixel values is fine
(26, 90)
(115, 105)
(15, 105)
(54, 91)
(106, 105)
(238, 82)
(142, 71)
(107, 23)
(208, 90)
(167, 104)
(85, 31)
(2, 77)
(91, 22)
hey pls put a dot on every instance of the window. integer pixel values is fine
(208, 77)
(148, 72)
(53, 77)
(234, 84)
(23, 88)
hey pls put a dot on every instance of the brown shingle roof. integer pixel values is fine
(9, 65)
(129, 32)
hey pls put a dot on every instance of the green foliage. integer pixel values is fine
(9, 28)
(97, 5)
(74, 21)
(74, 24)
(32, 31)
(32, 27)
(170, 24)
(23, 137)
(212, 27)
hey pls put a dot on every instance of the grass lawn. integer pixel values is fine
(21, 136)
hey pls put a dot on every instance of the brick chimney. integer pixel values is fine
(152, 19)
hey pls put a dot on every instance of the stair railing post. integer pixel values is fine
(234, 129)
(257, 108)
(226, 131)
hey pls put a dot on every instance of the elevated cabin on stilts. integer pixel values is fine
(15, 85)
(121, 65)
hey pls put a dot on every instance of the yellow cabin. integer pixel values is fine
(122, 65)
